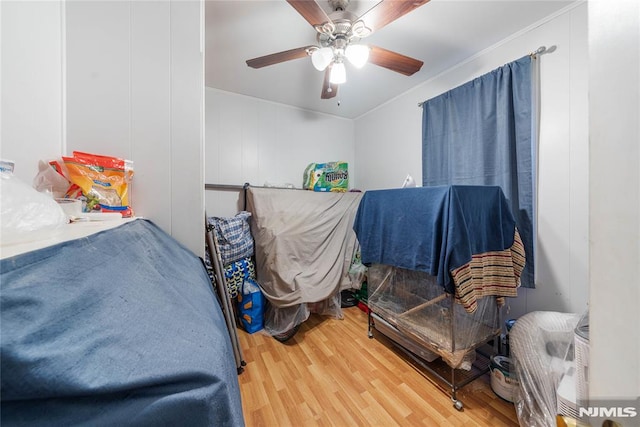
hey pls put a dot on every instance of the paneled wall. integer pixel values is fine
(32, 91)
(563, 203)
(263, 143)
(135, 89)
(614, 108)
(120, 78)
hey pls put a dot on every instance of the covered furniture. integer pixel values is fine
(119, 327)
(304, 245)
(442, 259)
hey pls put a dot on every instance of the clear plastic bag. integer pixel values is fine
(25, 214)
(541, 345)
(357, 272)
(48, 180)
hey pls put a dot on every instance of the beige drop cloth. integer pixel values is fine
(304, 242)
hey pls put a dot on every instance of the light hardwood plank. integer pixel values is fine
(332, 374)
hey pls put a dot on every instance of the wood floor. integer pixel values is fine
(331, 373)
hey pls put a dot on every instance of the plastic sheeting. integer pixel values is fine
(283, 320)
(416, 305)
(541, 346)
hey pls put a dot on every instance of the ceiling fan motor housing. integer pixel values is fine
(338, 4)
(341, 30)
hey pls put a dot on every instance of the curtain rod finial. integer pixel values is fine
(544, 50)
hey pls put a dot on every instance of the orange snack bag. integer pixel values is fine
(103, 180)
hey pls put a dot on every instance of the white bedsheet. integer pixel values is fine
(71, 231)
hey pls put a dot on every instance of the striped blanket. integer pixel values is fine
(490, 273)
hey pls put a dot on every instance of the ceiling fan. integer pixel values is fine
(338, 36)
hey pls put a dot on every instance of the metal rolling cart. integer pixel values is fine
(452, 378)
(429, 332)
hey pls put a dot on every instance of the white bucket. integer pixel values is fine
(503, 382)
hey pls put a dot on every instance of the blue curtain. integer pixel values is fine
(483, 133)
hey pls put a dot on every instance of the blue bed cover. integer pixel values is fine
(118, 328)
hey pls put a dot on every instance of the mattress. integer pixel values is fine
(120, 327)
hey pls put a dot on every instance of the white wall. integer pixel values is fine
(31, 84)
(614, 108)
(120, 78)
(388, 147)
(135, 90)
(260, 142)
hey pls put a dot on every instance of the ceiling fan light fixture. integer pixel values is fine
(338, 36)
(338, 74)
(357, 54)
(360, 30)
(321, 58)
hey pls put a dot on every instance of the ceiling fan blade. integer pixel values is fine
(394, 61)
(310, 11)
(329, 90)
(388, 11)
(276, 58)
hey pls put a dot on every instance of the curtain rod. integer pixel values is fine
(236, 187)
(538, 51)
(230, 187)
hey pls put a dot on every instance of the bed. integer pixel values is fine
(441, 262)
(304, 246)
(119, 327)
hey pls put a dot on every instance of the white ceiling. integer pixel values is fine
(442, 33)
